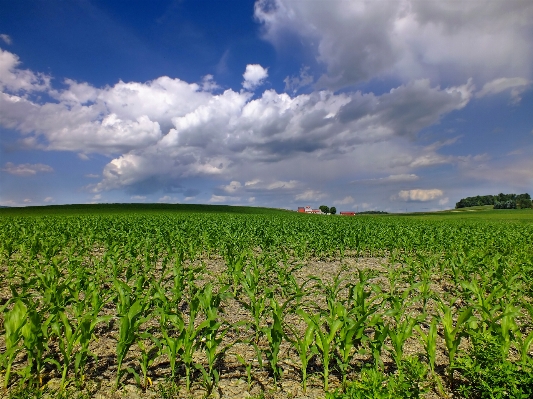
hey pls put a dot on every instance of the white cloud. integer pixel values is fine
(345, 201)
(14, 79)
(49, 199)
(251, 199)
(138, 197)
(287, 185)
(26, 169)
(310, 195)
(92, 176)
(400, 178)
(6, 38)
(27, 201)
(409, 39)
(295, 83)
(209, 84)
(444, 201)
(166, 130)
(516, 85)
(223, 199)
(232, 187)
(83, 157)
(420, 195)
(255, 181)
(254, 76)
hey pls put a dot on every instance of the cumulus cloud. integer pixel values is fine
(420, 195)
(409, 39)
(26, 169)
(6, 38)
(14, 79)
(165, 130)
(254, 76)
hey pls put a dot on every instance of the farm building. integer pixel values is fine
(308, 209)
(347, 213)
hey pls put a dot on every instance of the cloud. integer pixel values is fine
(14, 79)
(138, 197)
(310, 195)
(92, 176)
(165, 130)
(223, 199)
(254, 76)
(401, 178)
(26, 169)
(345, 201)
(358, 41)
(6, 39)
(420, 195)
(295, 83)
(232, 187)
(209, 84)
(444, 201)
(517, 86)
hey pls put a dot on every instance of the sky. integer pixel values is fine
(398, 106)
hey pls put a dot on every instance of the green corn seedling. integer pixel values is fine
(130, 322)
(274, 334)
(14, 321)
(304, 346)
(453, 335)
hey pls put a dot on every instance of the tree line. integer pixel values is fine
(500, 201)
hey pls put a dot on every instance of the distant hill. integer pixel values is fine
(135, 208)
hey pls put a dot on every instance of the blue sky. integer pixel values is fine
(390, 105)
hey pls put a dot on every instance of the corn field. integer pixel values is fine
(221, 305)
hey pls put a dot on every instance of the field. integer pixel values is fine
(164, 301)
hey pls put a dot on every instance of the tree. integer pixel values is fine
(324, 208)
(333, 210)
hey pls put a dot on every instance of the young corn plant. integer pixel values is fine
(274, 334)
(131, 317)
(212, 335)
(14, 321)
(150, 348)
(256, 297)
(304, 346)
(325, 328)
(429, 342)
(453, 334)
(35, 334)
(349, 338)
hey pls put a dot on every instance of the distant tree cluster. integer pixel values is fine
(500, 201)
(327, 209)
(373, 213)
